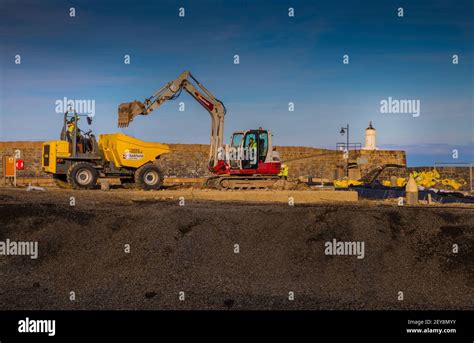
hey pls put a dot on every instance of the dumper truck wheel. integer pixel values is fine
(149, 177)
(82, 175)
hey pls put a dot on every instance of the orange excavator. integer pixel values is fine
(249, 161)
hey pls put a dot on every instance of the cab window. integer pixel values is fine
(262, 145)
(236, 140)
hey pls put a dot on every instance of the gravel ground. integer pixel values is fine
(191, 248)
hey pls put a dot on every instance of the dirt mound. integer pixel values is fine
(290, 185)
(230, 255)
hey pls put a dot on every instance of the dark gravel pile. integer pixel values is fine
(191, 249)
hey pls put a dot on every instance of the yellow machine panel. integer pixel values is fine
(52, 150)
(126, 151)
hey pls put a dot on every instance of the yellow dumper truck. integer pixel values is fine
(78, 160)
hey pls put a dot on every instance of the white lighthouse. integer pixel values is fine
(370, 135)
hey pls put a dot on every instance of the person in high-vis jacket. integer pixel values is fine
(252, 144)
(71, 124)
(283, 171)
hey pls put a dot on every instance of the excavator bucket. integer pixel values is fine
(129, 110)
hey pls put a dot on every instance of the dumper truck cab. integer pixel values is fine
(77, 160)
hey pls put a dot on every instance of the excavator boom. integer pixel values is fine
(128, 111)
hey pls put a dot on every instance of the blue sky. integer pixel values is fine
(282, 60)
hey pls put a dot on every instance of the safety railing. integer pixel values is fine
(350, 146)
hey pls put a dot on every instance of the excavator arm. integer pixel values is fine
(128, 111)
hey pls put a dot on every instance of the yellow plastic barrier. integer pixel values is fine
(432, 178)
(425, 179)
(346, 183)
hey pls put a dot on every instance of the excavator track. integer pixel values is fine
(241, 182)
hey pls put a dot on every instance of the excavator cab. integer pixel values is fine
(262, 157)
